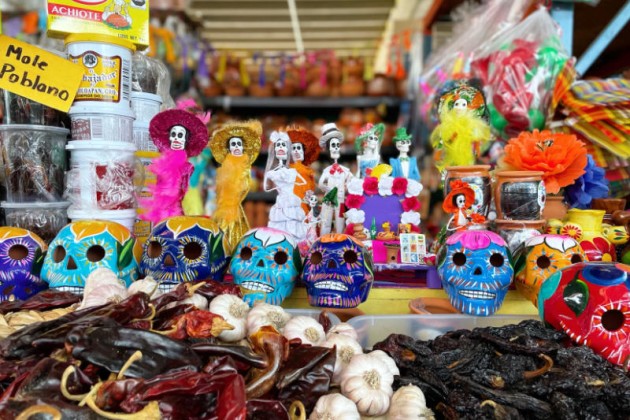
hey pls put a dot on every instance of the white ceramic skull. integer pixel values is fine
(334, 146)
(460, 200)
(313, 201)
(460, 104)
(403, 146)
(297, 152)
(281, 149)
(178, 137)
(236, 146)
(372, 141)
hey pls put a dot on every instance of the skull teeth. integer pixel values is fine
(332, 285)
(72, 289)
(477, 294)
(254, 285)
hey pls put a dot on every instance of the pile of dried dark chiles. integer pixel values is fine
(524, 371)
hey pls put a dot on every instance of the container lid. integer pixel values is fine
(103, 39)
(33, 127)
(102, 214)
(100, 145)
(35, 205)
(100, 109)
(147, 154)
(147, 96)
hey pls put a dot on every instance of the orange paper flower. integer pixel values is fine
(561, 157)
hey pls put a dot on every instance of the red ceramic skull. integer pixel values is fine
(591, 303)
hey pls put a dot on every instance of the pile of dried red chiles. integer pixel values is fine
(158, 360)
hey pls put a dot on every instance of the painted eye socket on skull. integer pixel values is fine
(59, 254)
(246, 253)
(459, 259)
(192, 250)
(543, 261)
(497, 260)
(154, 250)
(576, 258)
(350, 257)
(18, 252)
(95, 253)
(280, 257)
(316, 258)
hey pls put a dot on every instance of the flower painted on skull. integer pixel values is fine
(265, 265)
(82, 247)
(540, 257)
(338, 272)
(476, 271)
(591, 303)
(182, 249)
(21, 258)
(599, 249)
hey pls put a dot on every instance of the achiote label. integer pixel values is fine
(102, 80)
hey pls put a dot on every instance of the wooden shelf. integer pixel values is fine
(229, 102)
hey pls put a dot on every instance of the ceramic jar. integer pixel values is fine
(555, 207)
(585, 226)
(478, 177)
(516, 232)
(519, 195)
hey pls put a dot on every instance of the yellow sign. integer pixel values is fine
(37, 74)
(123, 19)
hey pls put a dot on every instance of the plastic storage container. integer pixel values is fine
(101, 123)
(34, 162)
(142, 138)
(145, 106)
(314, 313)
(101, 176)
(44, 219)
(374, 328)
(127, 218)
(16, 109)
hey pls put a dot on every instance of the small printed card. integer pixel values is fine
(413, 248)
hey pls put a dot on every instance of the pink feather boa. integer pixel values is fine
(172, 171)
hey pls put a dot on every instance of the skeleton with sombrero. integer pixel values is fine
(333, 181)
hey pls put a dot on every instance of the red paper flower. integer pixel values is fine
(477, 218)
(411, 204)
(400, 186)
(354, 201)
(370, 185)
(561, 157)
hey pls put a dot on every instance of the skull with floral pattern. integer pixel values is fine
(338, 272)
(82, 247)
(540, 257)
(591, 303)
(265, 265)
(182, 249)
(476, 271)
(21, 258)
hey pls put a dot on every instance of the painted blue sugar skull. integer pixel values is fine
(476, 271)
(338, 272)
(184, 248)
(265, 265)
(21, 258)
(82, 247)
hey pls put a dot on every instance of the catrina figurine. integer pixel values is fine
(178, 135)
(235, 146)
(368, 145)
(462, 132)
(304, 151)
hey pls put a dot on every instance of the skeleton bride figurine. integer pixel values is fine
(367, 145)
(178, 135)
(287, 213)
(333, 181)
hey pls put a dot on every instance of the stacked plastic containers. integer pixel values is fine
(100, 180)
(146, 103)
(33, 161)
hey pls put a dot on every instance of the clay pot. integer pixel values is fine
(585, 226)
(519, 195)
(264, 91)
(353, 67)
(478, 177)
(353, 86)
(612, 206)
(515, 232)
(555, 208)
(213, 89)
(381, 85)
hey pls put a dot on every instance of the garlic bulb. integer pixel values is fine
(147, 285)
(306, 329)
(334, 407)
(102, 286)
(265, 314)
(234, 311)
(196, 300)
(409, 403)
(367, 380)
(344, 329)
(345, 347)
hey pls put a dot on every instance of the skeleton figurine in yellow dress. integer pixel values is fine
(235, 146)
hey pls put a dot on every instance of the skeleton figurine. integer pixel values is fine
(178, 135)
(404, 166)
(333, 177)
(236, 146)
(368, 145)
(287, 213)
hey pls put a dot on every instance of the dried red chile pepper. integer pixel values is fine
(274, 349)
(43, 301)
